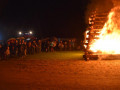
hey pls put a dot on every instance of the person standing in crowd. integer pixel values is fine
(36, 47)
(43, 46)
(16, 47)
(61, 46)
(7, 52)
(12, 48)
(29, 48)
(3, 49)
(19, 49)
(57, 46)
(39, 46)
(65, 45)
(72, 44)
(69, 45)
(51, 46)
(33, 47)
(22, 48)
(25, 48)
(47, 46)
(54, 45)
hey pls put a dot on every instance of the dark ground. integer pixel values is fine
(28, 74)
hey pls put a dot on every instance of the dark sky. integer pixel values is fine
(45, 17)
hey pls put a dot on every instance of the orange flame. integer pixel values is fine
(109, 39)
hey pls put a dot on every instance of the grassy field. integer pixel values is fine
(65, 70)
(58, 55)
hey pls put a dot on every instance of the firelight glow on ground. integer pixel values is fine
(59, 74)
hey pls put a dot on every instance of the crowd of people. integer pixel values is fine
(21, 48)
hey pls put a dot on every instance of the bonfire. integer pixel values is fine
(106, 41)
(109, 38)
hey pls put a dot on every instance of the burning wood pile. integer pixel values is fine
(103, 35)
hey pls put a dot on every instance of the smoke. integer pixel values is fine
(100, 6)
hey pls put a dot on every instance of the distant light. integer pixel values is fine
(30, 32)
(20, 33)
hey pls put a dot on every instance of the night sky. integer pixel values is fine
(47, 18)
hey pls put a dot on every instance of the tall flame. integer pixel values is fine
(109, 41)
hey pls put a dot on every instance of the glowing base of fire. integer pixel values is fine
(102, 57)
